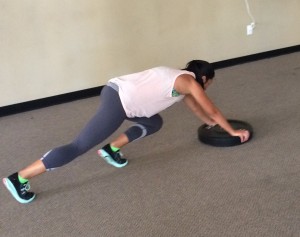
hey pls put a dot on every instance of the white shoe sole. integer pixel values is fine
(11, 188)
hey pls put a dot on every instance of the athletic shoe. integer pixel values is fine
(113, 158)
(18, 190)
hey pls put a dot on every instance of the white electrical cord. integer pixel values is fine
(250, 14)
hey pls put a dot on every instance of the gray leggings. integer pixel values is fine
(108, 118)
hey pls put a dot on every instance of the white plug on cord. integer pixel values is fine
(251, 26)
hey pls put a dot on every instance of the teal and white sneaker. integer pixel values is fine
(18, 190)
(113, 158)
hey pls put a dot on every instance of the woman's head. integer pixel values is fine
(203, 71)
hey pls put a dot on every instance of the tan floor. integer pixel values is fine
(173, 185)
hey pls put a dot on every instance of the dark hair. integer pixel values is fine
(200, 68)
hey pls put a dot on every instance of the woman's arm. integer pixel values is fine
(197, 110)
(186, 84)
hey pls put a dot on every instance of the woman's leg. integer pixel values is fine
(143, 127)
(36, 168)
(108, 118)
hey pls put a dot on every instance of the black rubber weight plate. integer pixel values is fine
(216, 136)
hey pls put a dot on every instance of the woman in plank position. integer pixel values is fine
(137, 97)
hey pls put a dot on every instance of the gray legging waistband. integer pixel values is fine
(113, 85)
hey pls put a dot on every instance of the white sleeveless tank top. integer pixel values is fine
(147, 93)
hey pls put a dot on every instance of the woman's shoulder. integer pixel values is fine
(184, 83)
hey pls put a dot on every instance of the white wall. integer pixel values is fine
(53, 47)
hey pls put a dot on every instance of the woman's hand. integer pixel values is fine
(243, 134)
